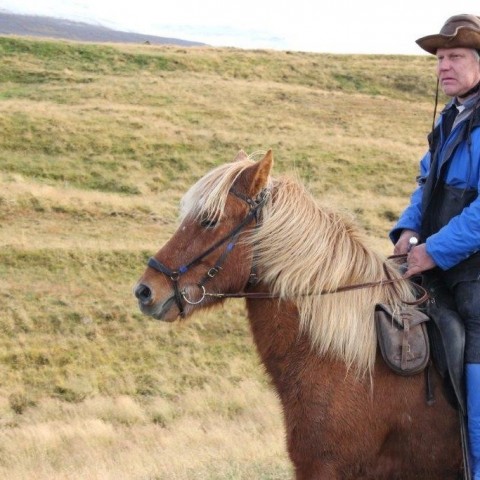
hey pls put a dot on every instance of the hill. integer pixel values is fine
(41, 26)
(97, 145)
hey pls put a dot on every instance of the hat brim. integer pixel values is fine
(463, 38)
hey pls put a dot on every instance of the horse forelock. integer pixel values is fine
(208, 196)
(303, 249)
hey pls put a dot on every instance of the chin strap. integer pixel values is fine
(436, 105)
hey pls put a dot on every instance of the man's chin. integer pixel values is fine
(450, 92)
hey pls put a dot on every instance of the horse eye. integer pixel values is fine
(208, 223)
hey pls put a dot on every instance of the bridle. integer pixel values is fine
(255, 206)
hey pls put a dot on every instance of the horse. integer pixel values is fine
(244, 233)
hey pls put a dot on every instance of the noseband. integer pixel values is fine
(255, 206)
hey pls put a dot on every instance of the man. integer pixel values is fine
(444, 211)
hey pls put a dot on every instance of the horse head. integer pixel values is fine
(207, 249)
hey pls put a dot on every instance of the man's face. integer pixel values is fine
(458, 70)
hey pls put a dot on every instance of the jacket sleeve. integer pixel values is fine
(457, 240)
(411, 218)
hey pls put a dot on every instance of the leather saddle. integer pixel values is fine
(447, 341)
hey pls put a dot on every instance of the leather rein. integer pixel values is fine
(255, 207)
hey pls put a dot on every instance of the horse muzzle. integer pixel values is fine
(158, 310)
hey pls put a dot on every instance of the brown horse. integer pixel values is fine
(347, 416)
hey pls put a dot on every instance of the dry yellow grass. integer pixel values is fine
(217, 433)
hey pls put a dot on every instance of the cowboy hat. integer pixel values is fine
(459, 31)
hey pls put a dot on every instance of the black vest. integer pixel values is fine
(442, 202)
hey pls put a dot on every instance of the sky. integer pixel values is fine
(326, 26)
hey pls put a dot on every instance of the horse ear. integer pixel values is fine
(257, 175)
(241, 155)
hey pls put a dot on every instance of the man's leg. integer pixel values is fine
(472, 377)
(467, 297)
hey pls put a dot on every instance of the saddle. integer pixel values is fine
(447, 340)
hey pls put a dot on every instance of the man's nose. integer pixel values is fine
(444, 64)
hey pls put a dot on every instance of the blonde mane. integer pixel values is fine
(303, 249)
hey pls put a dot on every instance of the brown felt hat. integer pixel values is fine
(459, 31)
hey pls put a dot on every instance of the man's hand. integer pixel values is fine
(403, 245)
(418, 261)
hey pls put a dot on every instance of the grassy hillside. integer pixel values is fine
(97, 145)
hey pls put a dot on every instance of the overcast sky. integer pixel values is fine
(333, 26)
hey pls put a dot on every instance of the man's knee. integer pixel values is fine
(467, 298)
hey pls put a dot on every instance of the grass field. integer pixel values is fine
(97, 145)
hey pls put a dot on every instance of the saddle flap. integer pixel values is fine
(403, 338)
(447, 336)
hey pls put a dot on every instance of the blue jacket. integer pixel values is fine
(458, 239)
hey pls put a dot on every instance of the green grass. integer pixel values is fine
(84, 58)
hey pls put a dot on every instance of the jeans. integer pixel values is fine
(467, 301)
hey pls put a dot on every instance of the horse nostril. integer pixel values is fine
(143, 293)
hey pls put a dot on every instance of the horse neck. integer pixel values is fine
(283, 350)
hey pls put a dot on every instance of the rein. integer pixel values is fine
(255, 206)
(265, 295)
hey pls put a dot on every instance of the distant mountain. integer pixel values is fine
(37, 26)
